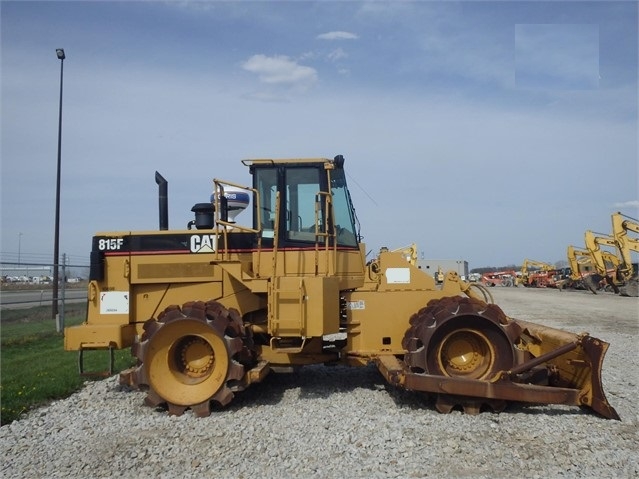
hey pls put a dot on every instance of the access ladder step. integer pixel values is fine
(93, 347)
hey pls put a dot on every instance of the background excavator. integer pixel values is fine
(622, 226)
(583, 274)
(605, 262)
(617, 268)
(214, 308)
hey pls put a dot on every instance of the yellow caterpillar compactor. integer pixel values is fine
(212, 308)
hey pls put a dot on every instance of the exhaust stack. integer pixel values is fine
(163, 201)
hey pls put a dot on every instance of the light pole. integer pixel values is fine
(19, 244)
(56, 241)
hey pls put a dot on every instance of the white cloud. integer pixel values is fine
(280, 69)
(310, 55)
(337, 54)
(337, 36)
(627, 204)
(267, 97)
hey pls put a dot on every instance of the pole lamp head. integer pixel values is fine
(60, 53)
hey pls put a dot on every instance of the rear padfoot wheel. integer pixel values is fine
(190, 357)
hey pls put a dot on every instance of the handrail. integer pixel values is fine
(222, 227)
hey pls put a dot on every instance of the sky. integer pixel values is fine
(492, 132)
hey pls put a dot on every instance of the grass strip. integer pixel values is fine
(34, 367)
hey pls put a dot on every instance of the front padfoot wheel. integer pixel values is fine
(462, 338)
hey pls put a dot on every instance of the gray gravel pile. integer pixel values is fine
(325, 422)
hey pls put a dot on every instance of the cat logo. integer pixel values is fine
(203, 243)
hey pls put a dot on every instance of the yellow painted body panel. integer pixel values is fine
(377, 321)
(119, 336)
(304, 306)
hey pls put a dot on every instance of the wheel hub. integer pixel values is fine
(461, 355)
(466, 353)
(197, 357)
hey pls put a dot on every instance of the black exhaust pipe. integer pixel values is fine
(163, 200)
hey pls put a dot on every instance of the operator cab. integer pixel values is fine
(303, 202)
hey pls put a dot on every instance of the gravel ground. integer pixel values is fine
(323, 422)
